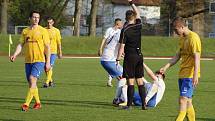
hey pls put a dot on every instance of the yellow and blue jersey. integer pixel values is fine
(55, 39)
(188, 47)
(34, 41)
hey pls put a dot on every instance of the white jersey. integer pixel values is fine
(111, 45)
(159, 85)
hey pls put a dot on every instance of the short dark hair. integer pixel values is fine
(129, 15)
(49, 18)
(32, 12)
(163, 75)
(116, 20)
(179, 21)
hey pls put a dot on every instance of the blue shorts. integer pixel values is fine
(151, 102)
(113, 69)
(34, 69)
(186, 87)
(52, 59)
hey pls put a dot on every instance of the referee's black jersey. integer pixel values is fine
(131, 37)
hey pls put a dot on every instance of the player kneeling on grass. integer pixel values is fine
(35, 41)
(154, 90)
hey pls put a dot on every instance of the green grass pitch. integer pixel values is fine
(81, 94)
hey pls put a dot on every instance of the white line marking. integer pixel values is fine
(148, 58)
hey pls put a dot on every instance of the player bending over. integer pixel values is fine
(154, 90)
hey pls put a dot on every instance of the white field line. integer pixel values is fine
(148, 58)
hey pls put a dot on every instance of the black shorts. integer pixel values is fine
(133, 66)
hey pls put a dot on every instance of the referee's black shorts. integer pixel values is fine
(133, 66)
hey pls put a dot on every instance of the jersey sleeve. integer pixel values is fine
(22, 37)
(122, 38)
(107, 33)
(196, 44)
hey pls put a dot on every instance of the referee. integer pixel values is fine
(130, 45)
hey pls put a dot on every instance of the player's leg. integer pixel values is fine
(186, 92)
(182, 108)
(129, 74)
(49, 80)
(36, 71)
(142, 92)
(111, 68)
(109, 81)
(130, 91)
(139, 73)
(30, 92)
(190, 110)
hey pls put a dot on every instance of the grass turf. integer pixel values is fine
(81, 94)
(151, 46)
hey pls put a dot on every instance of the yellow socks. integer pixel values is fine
(36, 95)
(49, 76)
(191, 113)
(29, 96)
(181, 116)
(33, 92)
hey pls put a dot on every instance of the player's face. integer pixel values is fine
(119, 24)
(50, 23)
(178, 30)
(35, 19)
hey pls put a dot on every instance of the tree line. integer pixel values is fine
(16, 12)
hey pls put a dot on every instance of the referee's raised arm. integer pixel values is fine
(136, 10)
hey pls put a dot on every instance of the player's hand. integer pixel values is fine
(117, 63)
(12, 58)
(99, 53)
(47, 67)
(60, 56)
(129, 0)
(195, 82)
(162, 70)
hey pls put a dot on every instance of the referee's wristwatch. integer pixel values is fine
(117, 60)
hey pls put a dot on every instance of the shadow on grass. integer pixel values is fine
(72, 103)
(9, 120)
(205, 119)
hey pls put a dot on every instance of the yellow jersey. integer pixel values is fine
(34, 41)
(55, 39)
(189, 45)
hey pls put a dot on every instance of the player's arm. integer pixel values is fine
(47, 50)
(150, 72)
(196, 68)
(171, 62)
(134, 8)
(59, 47)
(101, 47)
(120, 51)
(17, 52)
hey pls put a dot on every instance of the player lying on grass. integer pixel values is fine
(108, 52)
(154, 90)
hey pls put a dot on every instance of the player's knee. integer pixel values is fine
(33, 81)
(183, 100)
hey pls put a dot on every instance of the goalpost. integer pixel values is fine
(18, 29)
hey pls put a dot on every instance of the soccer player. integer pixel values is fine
(130, 45)
(55, 44)
(189, 53)
(108, 52)
(35, 41)
(154, 90)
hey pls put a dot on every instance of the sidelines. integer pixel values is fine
(148, 58)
